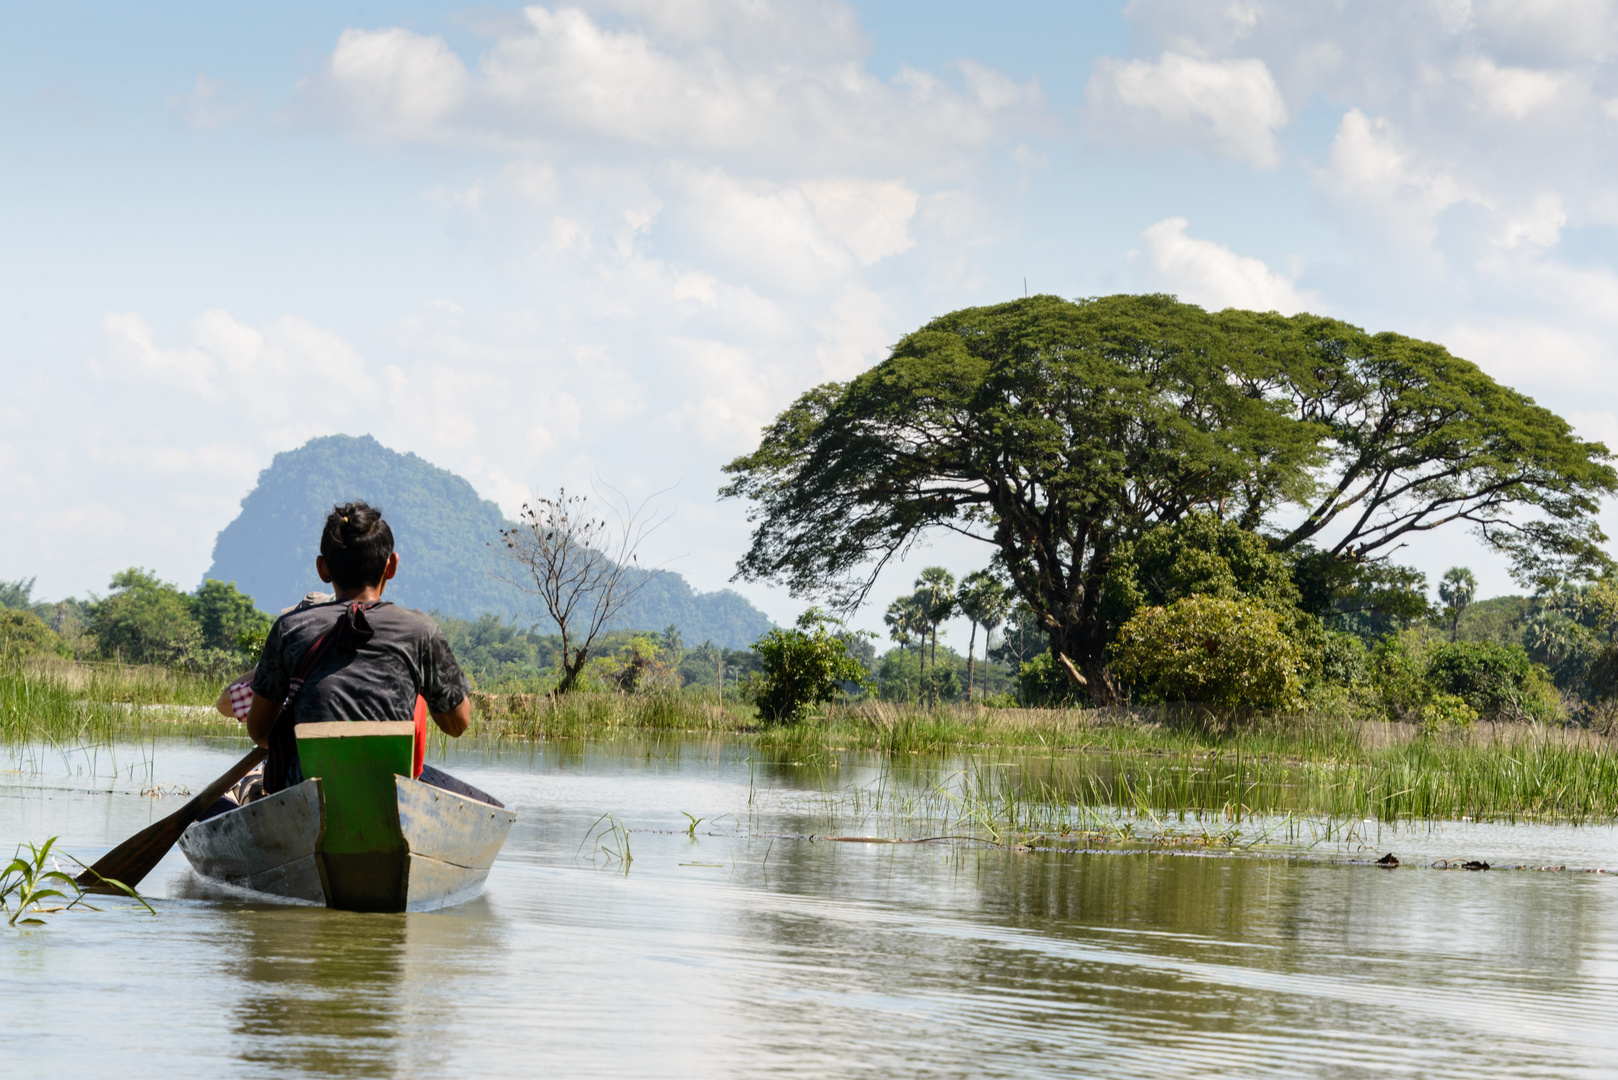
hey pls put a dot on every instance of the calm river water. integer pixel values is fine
(743, 948)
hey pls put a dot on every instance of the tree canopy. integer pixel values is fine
(1060, 431)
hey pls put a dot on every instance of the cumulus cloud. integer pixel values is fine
(1369, 167)
(744, 84)
(1497, 104)
(390, 85)
(1210, 274)
(1228, 107)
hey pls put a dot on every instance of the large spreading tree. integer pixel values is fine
(1060, 431)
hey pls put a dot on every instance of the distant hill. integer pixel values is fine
(444, 533)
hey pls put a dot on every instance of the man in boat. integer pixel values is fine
(356, 658)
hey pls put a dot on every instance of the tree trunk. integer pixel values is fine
(570, 670)
(1103, 685)
(971, 655)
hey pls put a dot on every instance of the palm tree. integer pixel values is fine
(935, 590)
(906, 618)
(1455, 592)
(984, 600)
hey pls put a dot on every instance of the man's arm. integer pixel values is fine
(262, 716)
(453, 723)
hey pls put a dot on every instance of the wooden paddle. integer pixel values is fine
(134, 858)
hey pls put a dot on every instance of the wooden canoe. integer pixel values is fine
(359, 834)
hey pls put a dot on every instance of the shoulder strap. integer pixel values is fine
(346, 636)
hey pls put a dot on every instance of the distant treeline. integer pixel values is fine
(217, 630)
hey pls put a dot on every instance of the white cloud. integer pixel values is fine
(289, 371)
(1509, 91)
(738, 83)
(389, 85)
(1369, 168)
(1210, 274)
(871, 219)
(1532, 355)
(1228, 107)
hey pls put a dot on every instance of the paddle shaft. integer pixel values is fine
(134, 858)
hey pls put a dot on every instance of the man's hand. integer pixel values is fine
(453, 723)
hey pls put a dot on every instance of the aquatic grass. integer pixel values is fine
(610, 838)
(1158, 764)
(604, 715)
(1424, 780)
(28, 884)
(57, 702)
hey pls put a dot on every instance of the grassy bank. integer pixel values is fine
(1043, 770)
(1030, 770)
(48, 700)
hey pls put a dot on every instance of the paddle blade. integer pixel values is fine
(134, 858)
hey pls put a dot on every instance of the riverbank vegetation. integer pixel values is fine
(1188, 521)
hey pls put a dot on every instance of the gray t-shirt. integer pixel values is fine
(406, 656)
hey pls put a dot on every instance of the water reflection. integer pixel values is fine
(749, 952)
(319, 991)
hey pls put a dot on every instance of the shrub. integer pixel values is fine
(1237, 655)
(1397, 683)
(144, 620)
(22, 633)
(1342, 659)
(1041, 686)
(1446, 713)
(225, 615)
(801, 668)
(1498, 681)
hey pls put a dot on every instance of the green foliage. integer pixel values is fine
(1444, 713)
(1041, 686)
(1060, 431)
(703, 665)
(443, 531)
(226, 617)
(1198, 555)
(1236, 655)
(1343, 659)
(935, 592)
(1023, 638)
(907, 620)
(907, 676)
(802, 667)
(984, 600)
(143, 620)
(1368, 597)
(1398, 686)
(17, 595)
(1456, 591)
(32, 886)
(1498, 681)
(1501, 619)
(1202, 555)
(22, 633)
(642, 664)
(498, 656)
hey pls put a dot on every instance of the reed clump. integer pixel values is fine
(594, 715)
(49, 700)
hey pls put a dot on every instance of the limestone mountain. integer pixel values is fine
(447, 537)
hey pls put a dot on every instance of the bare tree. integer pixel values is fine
(582, 564)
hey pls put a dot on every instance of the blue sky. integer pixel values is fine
(543, 245)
